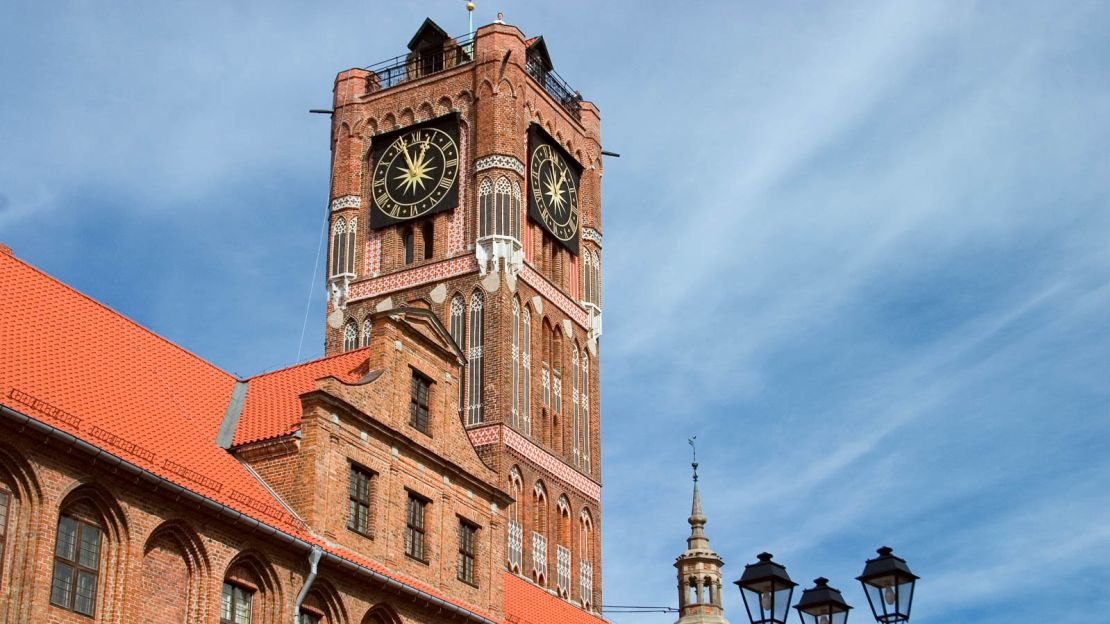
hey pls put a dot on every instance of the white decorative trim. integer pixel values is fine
(439, 271)
(591, 234)
(347, 201)
(537, 281)
(491, 434)
(490, 251)
(500, 161)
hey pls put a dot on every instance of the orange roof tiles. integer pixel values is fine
(272, 407)
(526, 603)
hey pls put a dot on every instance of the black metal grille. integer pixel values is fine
(418, 64)
(555, 86)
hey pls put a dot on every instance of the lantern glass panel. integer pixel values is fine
(890, 598)
(823, 615)
(767, 602)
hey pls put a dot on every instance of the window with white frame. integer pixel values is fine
(458, 332)
(515, 550)
(584, 399)
(526, 370)
(515, 330)
(350, 336)
(366, 326)
(343, 246)
(575, 418)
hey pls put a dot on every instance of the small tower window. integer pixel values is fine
(407, 241)
(428, 234)
(350, 336)
(366, 326)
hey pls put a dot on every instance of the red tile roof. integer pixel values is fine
(77, 365)
(272, 407)
(526, 603)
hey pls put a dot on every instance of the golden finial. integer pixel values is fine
(469, 6)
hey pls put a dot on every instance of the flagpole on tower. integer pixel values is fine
(470, 17)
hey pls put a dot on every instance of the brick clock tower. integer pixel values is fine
(466, 180)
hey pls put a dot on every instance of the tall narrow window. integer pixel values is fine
(595, 281)
(514, 212)
(584, 399)
(428, 234)
(352, 226)
(474, 359)
(545, 366)
(526, 369)
(557, 370)
(539, 533)
(407, 242)
(358, 513)
(585, 557)
(502, 192)
(418, 402)
(515, 550)
(366, 326)
(235, 604)
(468, 533)
(562, 548)
(485, 209)
(5, 511)
(414, 527)
(458, 332)
(350, 336)
(339, 246)
(575, 422)
(515, 330)
(76, 565)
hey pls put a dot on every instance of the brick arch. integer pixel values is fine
(20, 482)
(381, 614)
(253, 570)
(389, 122)
(407, 117)
(485, 89)
(444, 105)
(326, 599)
(175, 576)
(92, 502)
(425, 112)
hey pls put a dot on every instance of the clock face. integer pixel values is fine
(554, 192)
(416, 174)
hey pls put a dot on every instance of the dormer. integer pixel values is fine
(427, 50)
(538, 60)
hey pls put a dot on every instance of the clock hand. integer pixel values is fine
(405, 151)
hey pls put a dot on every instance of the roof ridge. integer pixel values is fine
(305, 363)
(126, 318)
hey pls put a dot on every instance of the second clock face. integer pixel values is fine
(553, 189)
(416, 174)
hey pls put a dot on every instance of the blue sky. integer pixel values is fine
(862, 250)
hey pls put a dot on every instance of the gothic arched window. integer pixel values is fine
(474, 360)
(458, 332)
(526, 369)
(485, 208)
(576, 425)
(350, 336)
(514, 213)
(502, 192)
(352, 225)
(586, 559)
(366, 325)
(516, 361)
(516, 533)
(339, 246)
(584, 399)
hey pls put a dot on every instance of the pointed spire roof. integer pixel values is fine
(697, 540)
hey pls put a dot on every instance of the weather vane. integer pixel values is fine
(694, 449)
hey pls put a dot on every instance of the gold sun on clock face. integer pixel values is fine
(415, 173)
(553, 188)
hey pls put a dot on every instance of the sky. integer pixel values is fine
(860, 250)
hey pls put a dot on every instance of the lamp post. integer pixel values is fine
(822, 604)
(766, 589)
(888, 583)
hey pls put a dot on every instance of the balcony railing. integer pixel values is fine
(555, 86)
(516, 545)
(392, 72)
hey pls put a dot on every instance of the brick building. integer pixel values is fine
(440, 464)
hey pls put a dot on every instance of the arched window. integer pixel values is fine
(339, 246)
(539, 533)
(250, 590)
(486, 218)
(350, 336)
(458, 332)
(515, 330)
(557, 369)
(514, 212)
(77, 561)
(562, 548)
(587, 275)
(427, 232)
(516, 533)
(545, 365)
(595, 281)
(526, 369)
(502, 192)
(585, 559)
(366, 326)
(408, 243)
(584, 399)
(576, 424)
(352, 226)
(474, 359)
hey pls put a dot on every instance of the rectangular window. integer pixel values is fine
(467, 538)
(418, 405)
(76, 566)
(358, 515)
(5, 506)
(235, 604)
(414, 528)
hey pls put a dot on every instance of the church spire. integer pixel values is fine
(699, 568)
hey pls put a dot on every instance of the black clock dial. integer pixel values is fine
(415, 173)
(554, 192)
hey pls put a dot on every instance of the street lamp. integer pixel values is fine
(888, 583)
(822, 604)
(766, 589)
